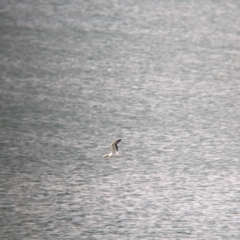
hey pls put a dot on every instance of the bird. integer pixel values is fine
(114, 152)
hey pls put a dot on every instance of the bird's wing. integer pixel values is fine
(114, 145)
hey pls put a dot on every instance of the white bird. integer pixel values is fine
(114, 152)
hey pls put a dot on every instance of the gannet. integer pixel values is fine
(114, 152)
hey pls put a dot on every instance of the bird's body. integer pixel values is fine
(114, 152)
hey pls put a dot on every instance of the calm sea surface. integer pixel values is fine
(162, 75)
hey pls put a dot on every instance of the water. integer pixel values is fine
(163, 76)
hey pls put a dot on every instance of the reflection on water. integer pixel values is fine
(161, 76)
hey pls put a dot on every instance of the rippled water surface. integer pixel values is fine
(161, 75)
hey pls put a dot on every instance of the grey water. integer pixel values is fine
(161, 75)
